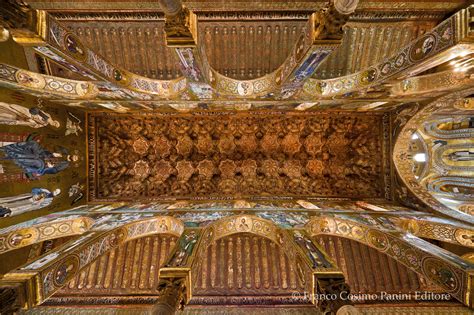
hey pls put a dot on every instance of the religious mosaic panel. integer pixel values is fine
(234, 155)
(42, 149)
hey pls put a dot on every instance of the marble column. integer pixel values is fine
(170, 7)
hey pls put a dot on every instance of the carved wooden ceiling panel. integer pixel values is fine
(241, 46)
(368, 270)
(241, 50)
(138, 46)
(245, 264)
(229, 154)
(244, 44)
(251, 49)
(380, 39)
(241, 266)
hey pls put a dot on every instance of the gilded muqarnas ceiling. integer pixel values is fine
(206, 155)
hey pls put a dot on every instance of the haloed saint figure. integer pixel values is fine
(38, 198)
(36, 161)
(12, 114)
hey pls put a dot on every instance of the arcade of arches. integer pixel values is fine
(230, 157)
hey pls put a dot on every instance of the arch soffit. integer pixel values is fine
(244, 224)
(25, 236)
(380, 240)
(456, 233)
(153, 225)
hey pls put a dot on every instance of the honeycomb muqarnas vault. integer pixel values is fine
(222, 154)
(236, 157)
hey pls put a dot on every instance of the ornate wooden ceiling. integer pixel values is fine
(244, 41)
(139, 46)
(244, 45)
(238, 49)
(134, 266)
(235, 155)
(382, 39)
(267, 52)
(267, 5)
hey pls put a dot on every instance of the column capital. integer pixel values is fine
(180, 29)
(172, 296)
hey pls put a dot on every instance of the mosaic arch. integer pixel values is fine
(37, 233)
(436, 161)
(55, 269)
(307, 260)
(244, 224)
(54, 41)
(447, 270)
(451, 232)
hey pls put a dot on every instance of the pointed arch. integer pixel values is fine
(55, 269)
(447, 270)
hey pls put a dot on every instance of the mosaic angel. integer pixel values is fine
(12, 114)
(36, 199)
(73, 125)
(76, 192)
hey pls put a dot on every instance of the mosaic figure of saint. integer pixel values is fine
(36, 199)
(11, 114)
(34, 160)
(185, 250)
(317, 258)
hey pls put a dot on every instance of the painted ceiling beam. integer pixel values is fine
(412, 6)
